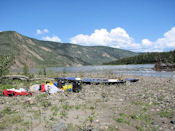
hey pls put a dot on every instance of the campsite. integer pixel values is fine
(147, 104)
(87, 65)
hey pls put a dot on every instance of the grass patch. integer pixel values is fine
(26, 124)
(66, 107)
(141, 116)
(140, 128)
(122, 119)
(84, 106)
(37, 115)
(9, 120)
(166, 113)
(6, 110)
(43, 101)
(92, 107)
(63, 114)
(77, 107)
(155, 103)
(61, 100)
(137, 103)
(70, 127)
(54, 109)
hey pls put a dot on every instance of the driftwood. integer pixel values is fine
(35, 79)
(22, 77)
(15, 77)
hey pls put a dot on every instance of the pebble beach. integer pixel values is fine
(148, 104)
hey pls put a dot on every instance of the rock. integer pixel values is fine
(106, 127)
(120, 99)
(160, 128)
(150, 103)
(152, 110)
(172, 121)
(153, 123)
(167, 130)
(59, 127)
(31, 102)
(163, 122)
(89, 128)
(157, 109)
(97, 121)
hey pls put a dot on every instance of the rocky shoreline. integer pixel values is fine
(159, 66)
(148, 104)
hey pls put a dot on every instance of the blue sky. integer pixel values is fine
(137, 25)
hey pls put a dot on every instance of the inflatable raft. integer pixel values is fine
(96, 81)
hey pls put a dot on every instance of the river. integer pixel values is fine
(140, 70)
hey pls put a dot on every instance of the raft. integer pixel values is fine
(96, 81)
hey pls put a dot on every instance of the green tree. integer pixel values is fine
(25, 69)
(44, 71)
(147, 58)
(5, 63)
(40, 70)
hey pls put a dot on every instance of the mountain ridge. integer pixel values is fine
(35, 52)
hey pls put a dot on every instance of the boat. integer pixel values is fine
(95, 81)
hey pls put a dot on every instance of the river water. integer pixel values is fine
(140, 70)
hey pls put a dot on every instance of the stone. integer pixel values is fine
(160, 128)
(157, 109)
(97, 121)
(153, 123)
(120, 99)
(172, 121)
(59, 127)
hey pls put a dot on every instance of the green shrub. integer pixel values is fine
(25, 69)
(166, 113)
(5, 63)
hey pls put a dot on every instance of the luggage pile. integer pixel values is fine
(64, 84)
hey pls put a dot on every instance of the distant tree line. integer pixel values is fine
(147, 58)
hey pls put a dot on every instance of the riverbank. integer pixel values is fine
(136, 70)
(146, 104)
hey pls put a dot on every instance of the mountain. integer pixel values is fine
(35, 52)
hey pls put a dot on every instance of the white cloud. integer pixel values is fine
(161, 44)
(146, 42)
(45, 30)
(39, 32)
(168, 39)
(53, 38)
(119, 38)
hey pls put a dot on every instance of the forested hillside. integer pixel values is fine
(147, 58)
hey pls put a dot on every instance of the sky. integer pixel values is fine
(135, 25)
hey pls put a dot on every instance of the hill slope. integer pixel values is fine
(146, 58)
(36, 52)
